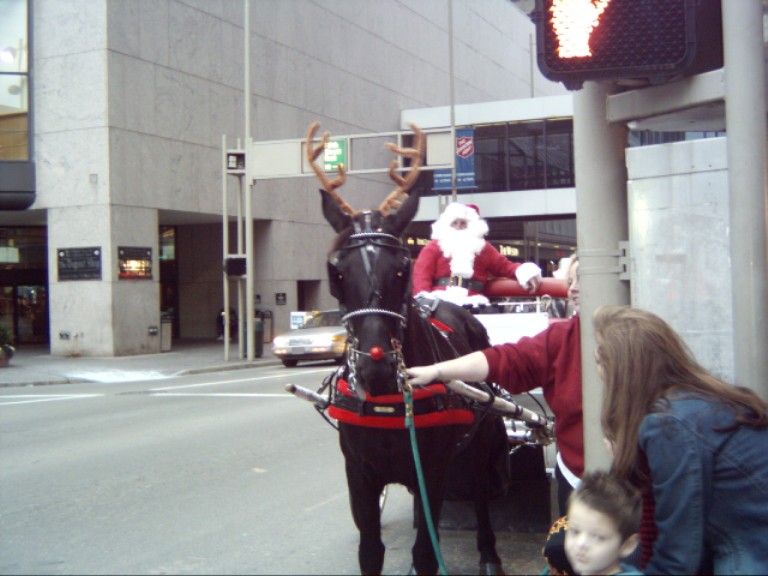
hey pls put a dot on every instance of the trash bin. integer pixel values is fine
(266, 316)
(258, 342)
(258, 328)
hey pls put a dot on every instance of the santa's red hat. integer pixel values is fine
(474, 207)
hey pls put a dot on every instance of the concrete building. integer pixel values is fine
(127, 105)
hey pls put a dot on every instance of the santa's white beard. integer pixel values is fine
(461, 247)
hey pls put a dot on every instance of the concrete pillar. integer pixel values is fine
(106, 315)
(745, 113)
(601, 218)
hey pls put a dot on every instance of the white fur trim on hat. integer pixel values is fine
(458, 211)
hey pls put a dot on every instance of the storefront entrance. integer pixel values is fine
(24, 310)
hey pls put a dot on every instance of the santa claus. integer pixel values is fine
(458, 261)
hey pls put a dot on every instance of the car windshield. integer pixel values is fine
(323, 319)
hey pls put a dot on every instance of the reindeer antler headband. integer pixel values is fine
(397, 196)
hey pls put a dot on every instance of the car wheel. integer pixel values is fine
(290, 363)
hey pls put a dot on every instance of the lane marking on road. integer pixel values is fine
(32, 398)
(322, 503)
(292, 374)
(224, 394)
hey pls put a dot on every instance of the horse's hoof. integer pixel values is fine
(491, 569)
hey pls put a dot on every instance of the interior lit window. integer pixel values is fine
(14, 81)
(134, 263)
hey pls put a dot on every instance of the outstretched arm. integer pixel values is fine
(472, 367)
(528, 273)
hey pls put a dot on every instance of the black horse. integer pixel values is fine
(370, 275)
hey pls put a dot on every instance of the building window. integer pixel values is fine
(524, 155)
(167, 243)
(490, 158)
(14, 80)
(526, 141)
(558, 154)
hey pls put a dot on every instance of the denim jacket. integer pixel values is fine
(710, 488)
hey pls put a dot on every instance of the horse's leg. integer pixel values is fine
(364, 502)
(490, 562)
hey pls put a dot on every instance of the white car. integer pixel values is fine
(322, 337)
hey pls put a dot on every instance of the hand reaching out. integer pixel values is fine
(422, 375)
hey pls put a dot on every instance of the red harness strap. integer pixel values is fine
(439, 325)
(375, 411)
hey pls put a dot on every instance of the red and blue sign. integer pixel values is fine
(465, 163)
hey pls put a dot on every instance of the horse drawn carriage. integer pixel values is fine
(444, 438)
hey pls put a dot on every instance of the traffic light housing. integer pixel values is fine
(639, 42)
(234, 265)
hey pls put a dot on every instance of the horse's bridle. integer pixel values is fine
(370, 243)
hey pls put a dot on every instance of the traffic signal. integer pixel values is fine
(643, 41)
(234, 265)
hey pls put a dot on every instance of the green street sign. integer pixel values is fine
(335, 154)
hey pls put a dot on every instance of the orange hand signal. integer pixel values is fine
(573, 22)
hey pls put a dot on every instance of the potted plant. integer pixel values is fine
(6, 345)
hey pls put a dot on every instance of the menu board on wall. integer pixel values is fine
(79, 263)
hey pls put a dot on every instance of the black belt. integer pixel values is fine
(469, 284)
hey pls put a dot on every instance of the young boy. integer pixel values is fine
(603, 522)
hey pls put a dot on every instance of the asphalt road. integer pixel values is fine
(206, 474)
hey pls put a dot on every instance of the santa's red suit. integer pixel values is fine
(431, 266)
(463, 257)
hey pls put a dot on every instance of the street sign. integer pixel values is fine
(465, 163)
(335, 153)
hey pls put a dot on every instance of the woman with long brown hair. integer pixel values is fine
(695, 445)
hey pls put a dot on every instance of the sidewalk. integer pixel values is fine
(33, 365)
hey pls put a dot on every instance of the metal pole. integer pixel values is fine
(240, 252)
(225, 242)
(745, 120)
(532, 62)
(452, 97)
(249, 280)
(602, 222)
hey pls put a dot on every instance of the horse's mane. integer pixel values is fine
(426, 345)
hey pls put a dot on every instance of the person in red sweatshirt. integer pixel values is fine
(551, 360)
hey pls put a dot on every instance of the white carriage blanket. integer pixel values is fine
(511, 327)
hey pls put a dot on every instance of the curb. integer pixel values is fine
(227, 368)
(218, 368)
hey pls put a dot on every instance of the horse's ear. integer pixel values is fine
(333, 213)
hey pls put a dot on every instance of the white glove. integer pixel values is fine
(526, 271)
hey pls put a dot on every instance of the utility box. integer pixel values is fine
(166, 335)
